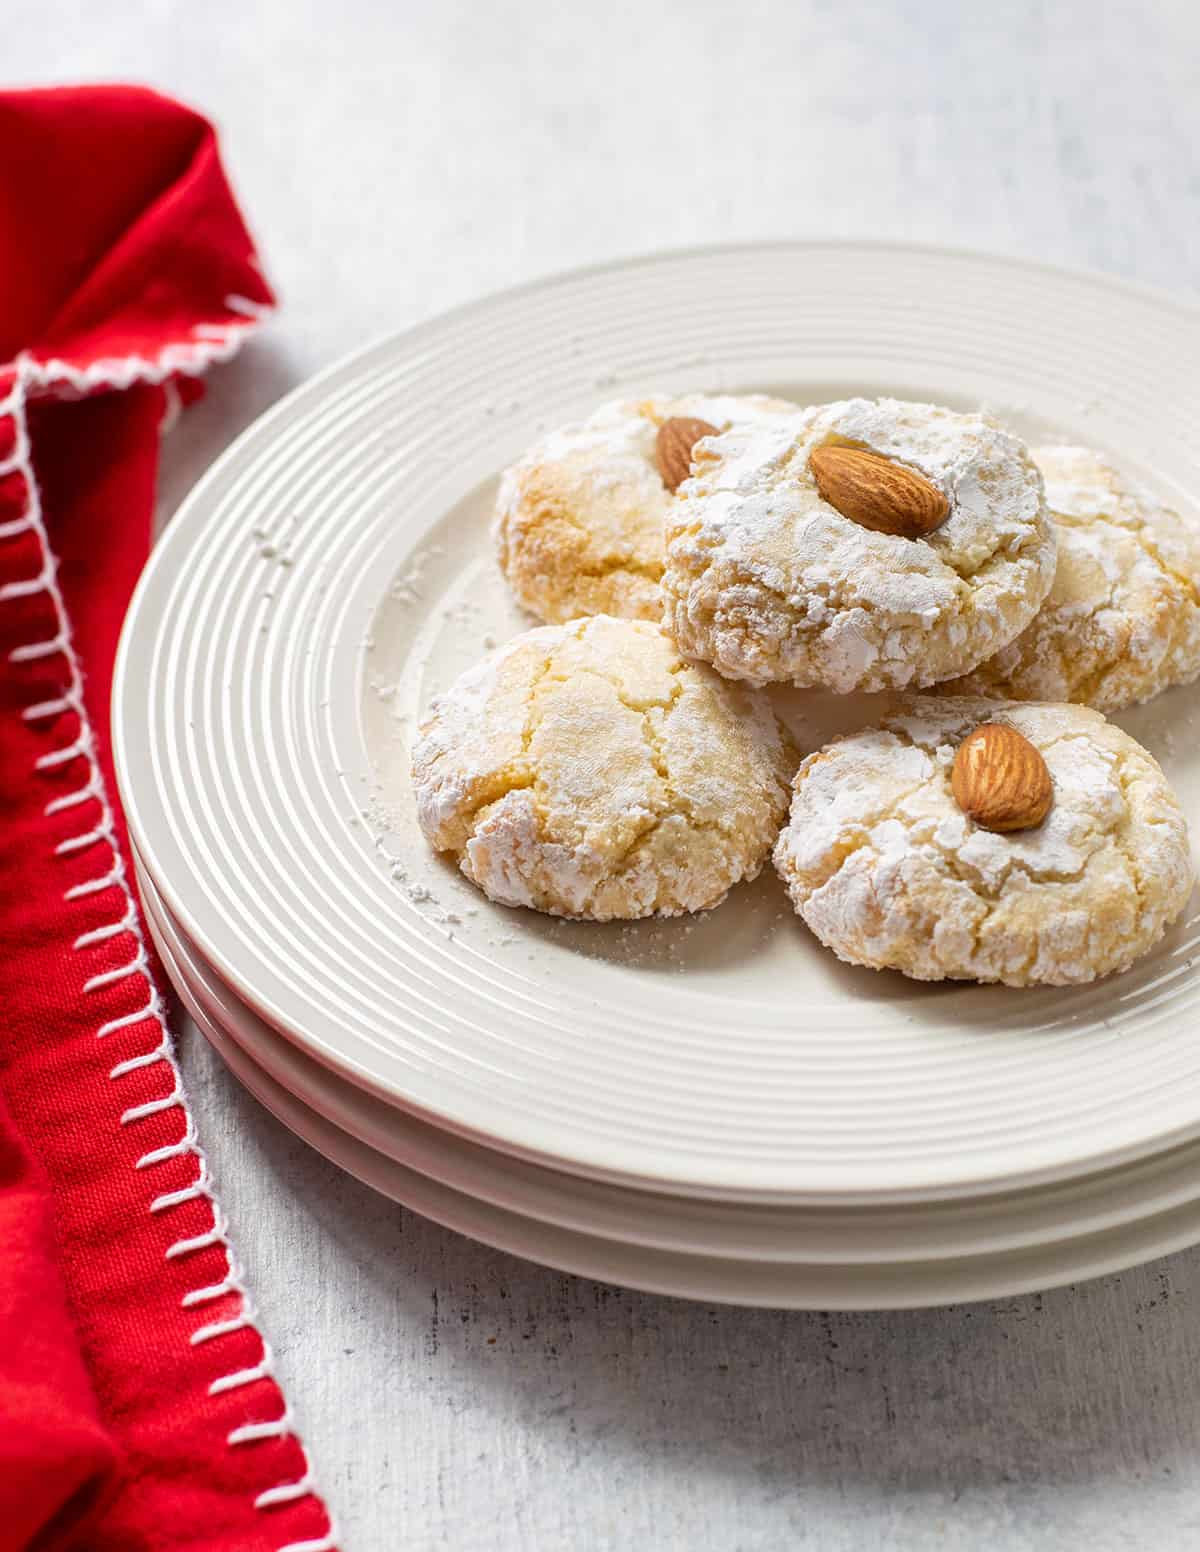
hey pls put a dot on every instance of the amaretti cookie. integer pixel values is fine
(863, 545)
(992, 841)
(579, 520)
(587, 770)
(1122, 620)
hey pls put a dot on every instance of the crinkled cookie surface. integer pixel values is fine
(770, 583)
(889, 873)
(587, 770)
(1122, 621)
(579, 520)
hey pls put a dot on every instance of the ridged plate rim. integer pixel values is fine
(561, 1142)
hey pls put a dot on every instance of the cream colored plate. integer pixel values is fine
(761, 1255)
(903, 1231)
(333, 570)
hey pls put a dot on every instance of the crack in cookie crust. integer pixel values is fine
(1122, 620)
(769, 583)
(579, 520)
(588, 770)
(886, 870)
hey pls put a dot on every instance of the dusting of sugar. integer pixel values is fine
(772, 584)
(407, 588)
(604, 470)
(888, 871)
(1122, 621)
(273, 545)
(633, 784)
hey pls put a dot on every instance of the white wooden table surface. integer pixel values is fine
(399, 156)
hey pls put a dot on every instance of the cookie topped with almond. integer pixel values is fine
(863, 545)
(973, 839)
(579, 519)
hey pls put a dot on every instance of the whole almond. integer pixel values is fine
(673, 447)
(1000, 780)
(877, 492)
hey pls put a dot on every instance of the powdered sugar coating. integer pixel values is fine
(578, 525)
(889, 873)
(769, 583)
(587, 770)
(1122, 621)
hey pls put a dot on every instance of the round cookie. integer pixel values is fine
(587, 770)
(1122, 620)
(888, 872)
(770, 583)
(579, 520)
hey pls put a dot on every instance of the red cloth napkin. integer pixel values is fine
(137, 1407)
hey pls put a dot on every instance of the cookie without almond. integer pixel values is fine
(587, 770)
(1122, 620)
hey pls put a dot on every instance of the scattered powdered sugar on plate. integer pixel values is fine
(406, 589)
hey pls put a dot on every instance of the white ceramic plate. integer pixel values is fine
(430, 1171)
(894, 1232)
(333, 570)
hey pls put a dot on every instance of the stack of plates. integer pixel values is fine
(713, 1107)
